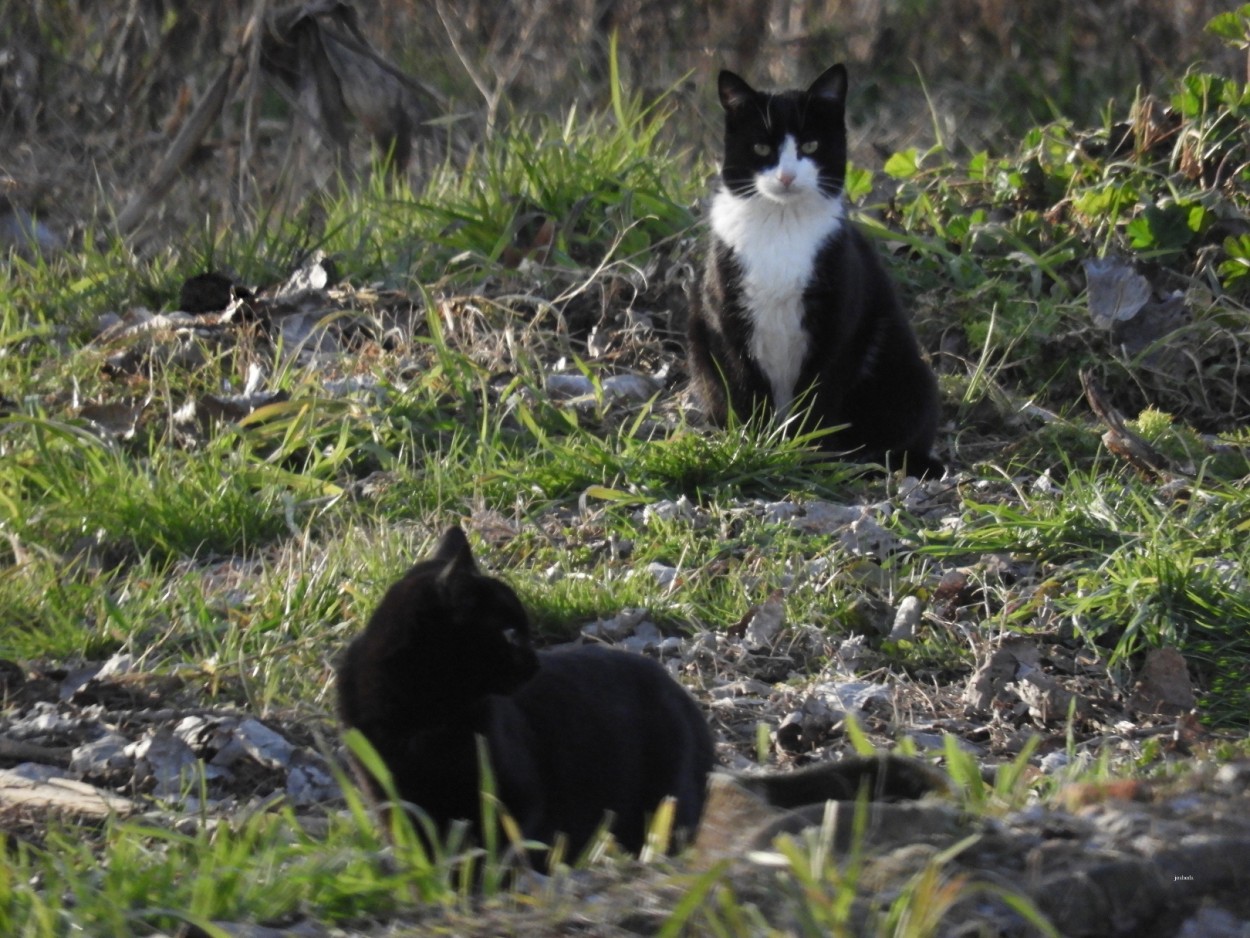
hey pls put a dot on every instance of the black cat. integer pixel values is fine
(574, 734)
(796, 307)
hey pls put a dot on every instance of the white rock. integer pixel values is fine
(1045, 485)
(102, 756)
(617, 627)
(42, 720)
(775, 512)
(766, 624)
(866, 538)
(851, 696)
(662, 573)
(1053, 762)
(629, 388)
(826, 517)
(268, 748)
(906, 618)
(668, 510)
(671, 646)
(164, 759)
(568, 386)
(853, 651)
(646, 637)
(309, 781)
(37, 771)
(116, 665)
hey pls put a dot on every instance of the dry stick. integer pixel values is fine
(1122, 441)
(18, 750)
(184, 145)
(257, 23)
(505, 74)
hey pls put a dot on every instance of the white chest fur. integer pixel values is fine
(776, 243)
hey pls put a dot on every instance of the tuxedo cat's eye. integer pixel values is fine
(762, 149)
(810, 147)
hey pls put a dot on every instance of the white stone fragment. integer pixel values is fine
(906, 618)
(662, 573)
(165, 760)
(103, 756)
(628, 388)
(309, 781)
(563, 387)
(668, 510)
(645, 638)
(617, 627)
(766, 624)
(826, 517)
(270, 749)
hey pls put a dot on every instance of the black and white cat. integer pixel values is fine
(796, 307)
(576, 736)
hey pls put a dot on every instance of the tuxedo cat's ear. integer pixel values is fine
(453, 550)
(830, 85)
(733, 90)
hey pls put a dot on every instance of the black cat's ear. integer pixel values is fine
(453, 550)
(830, 85)
(734, 91)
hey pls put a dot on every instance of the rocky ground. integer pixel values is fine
(1163, 856)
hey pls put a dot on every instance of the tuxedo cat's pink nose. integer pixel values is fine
(786, 178)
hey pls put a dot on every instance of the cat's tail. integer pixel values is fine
(747, 812)
(880, 778)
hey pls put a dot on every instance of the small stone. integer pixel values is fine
(766, 623)
(270, 749)
(826, 517)
(775, 512)
(563, 387)
(662, 573)
(629, 388)
(668, 510)
(670, 646)
(906, 618)
(164, 760)
(645, 638)
(103, 756)
(617, 627)
(866, 538)
(309, 781)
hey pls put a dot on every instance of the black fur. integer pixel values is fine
(572, 734)
(862, 367)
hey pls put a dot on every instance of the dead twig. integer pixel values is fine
(18, 750)
(1122, 441)
(180, 151)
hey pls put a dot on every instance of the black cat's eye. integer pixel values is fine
(762, 149)
(809, 147)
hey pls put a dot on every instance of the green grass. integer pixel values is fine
(252, 550)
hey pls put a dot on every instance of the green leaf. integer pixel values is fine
(607, 494)
(1161, 228)
(858, 185)
(1233, 27)
(904, 164)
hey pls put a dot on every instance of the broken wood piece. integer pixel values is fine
(1122, 441)
(19, 750)
(64, 795)
(180, 151)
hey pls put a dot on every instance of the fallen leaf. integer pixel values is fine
(1116, 291)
